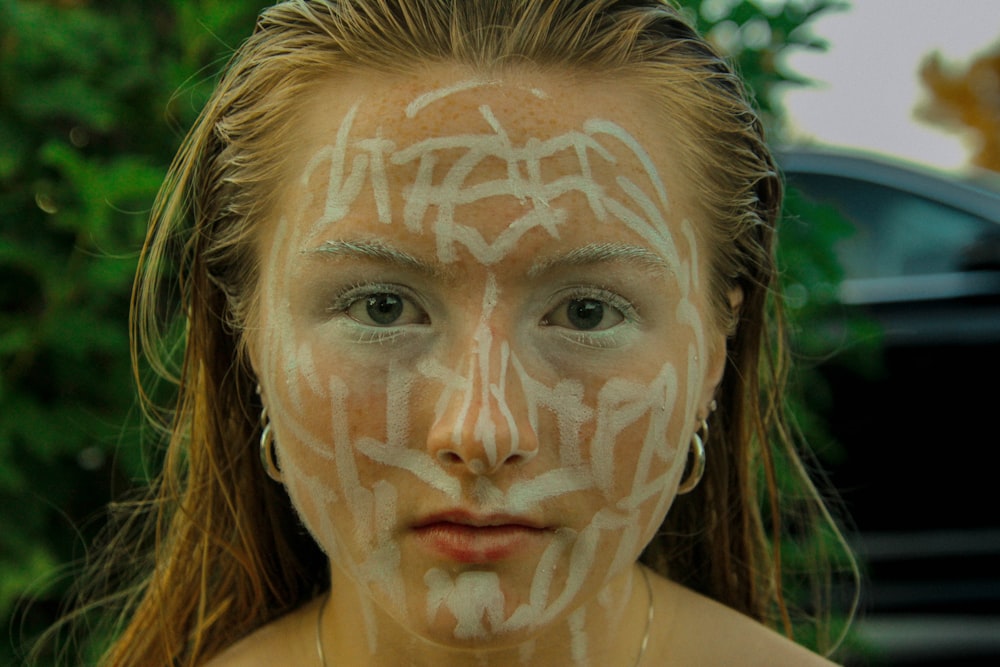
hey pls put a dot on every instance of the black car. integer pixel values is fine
(919, 477)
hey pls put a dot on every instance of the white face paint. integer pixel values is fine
(483, 346)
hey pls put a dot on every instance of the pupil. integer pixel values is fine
(384, 308)
(585, 313)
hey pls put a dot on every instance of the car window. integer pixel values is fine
(898, 233)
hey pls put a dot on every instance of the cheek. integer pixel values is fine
(321, 405)
(641, 433)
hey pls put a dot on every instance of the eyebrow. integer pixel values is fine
(600, 253)
(374, 250)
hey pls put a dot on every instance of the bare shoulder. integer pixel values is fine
(286, 640)
(709, 633)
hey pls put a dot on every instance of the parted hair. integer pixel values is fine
(214, 550)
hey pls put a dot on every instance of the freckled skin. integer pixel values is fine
(483, 396)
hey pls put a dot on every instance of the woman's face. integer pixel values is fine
(483, 341)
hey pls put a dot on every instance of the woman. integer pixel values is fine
(476, 280)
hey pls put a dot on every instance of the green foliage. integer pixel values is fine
(756, 34)
(94, 97)
(89, 111)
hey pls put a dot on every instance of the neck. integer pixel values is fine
(608, 629)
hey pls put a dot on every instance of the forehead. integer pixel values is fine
(486, 144)
(446, 100)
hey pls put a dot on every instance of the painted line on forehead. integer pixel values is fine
(341, 190)
(377, 148)
(480, 146)
(514, 176)
(423, 193)
(448, 234)
(596, 126)
(653, 216)
(420, 102)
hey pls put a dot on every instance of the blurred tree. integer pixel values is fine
(967, 99)
(90, 115)
(95, 96)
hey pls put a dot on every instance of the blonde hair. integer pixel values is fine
(225, 551)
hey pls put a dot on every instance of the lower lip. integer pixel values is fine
(476, 544)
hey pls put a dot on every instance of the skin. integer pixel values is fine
(483, 302)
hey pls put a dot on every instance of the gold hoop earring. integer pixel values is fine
(689, 483)
(267, 456)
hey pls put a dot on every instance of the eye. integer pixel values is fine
(382, 308)
(585, 314)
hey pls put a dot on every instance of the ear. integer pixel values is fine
(718, 352)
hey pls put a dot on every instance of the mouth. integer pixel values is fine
(464, 537)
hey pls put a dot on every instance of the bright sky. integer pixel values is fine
(868, 83)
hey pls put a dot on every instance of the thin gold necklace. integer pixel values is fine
(642, 646)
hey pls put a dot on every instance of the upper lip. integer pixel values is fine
(473, 520)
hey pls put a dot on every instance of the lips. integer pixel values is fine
(469, 538)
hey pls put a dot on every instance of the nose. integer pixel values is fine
(483, 420)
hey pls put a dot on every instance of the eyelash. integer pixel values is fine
(604, 338)
(370, 333)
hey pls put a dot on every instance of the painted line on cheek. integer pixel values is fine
(419, 464)
(382, 568)
(527, 494)
(620, 403)
(531, 613)
(397, 406)
(629, 544)
(656, 443)
(359, 499)
(565, 401)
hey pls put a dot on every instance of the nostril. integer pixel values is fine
(448, 456)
